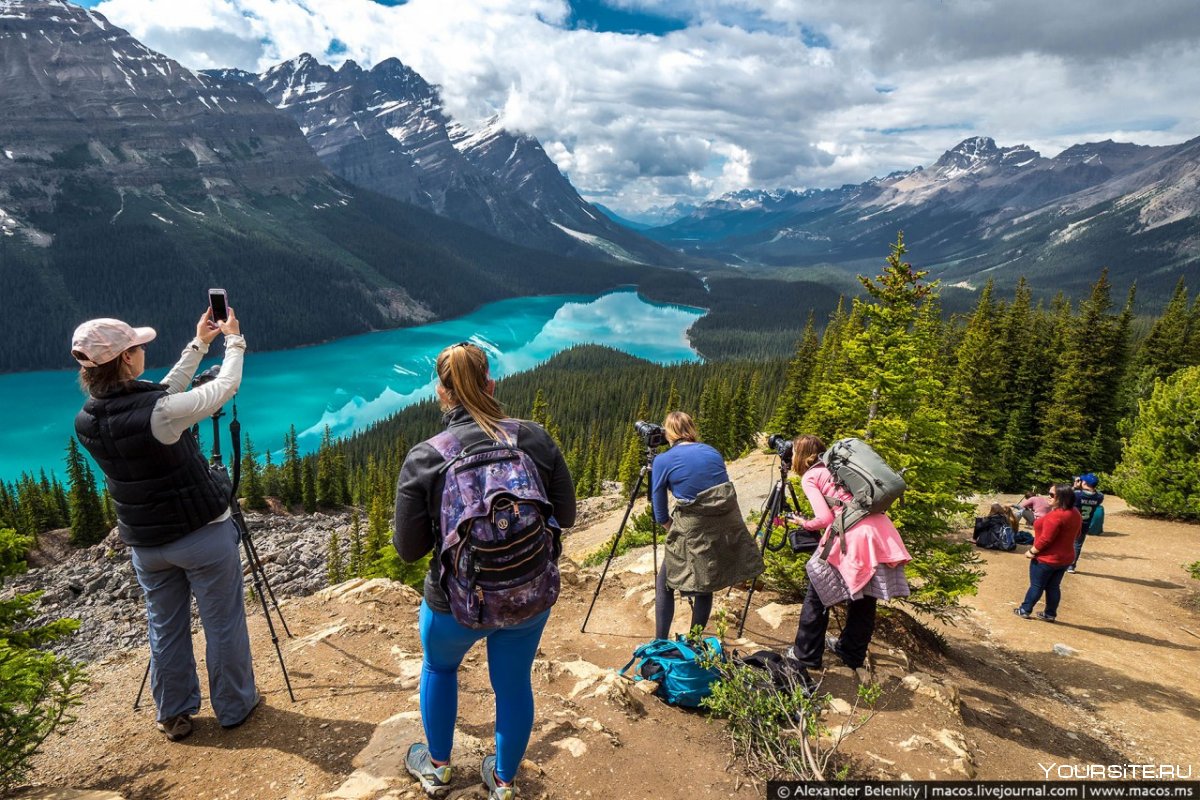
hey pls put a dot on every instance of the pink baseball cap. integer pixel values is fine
(99, 341)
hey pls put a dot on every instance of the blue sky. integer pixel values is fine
(603, 17)
(644, 103)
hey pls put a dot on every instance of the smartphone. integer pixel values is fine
(218, 301)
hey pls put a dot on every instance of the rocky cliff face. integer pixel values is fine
(85, 102)
(385, 128)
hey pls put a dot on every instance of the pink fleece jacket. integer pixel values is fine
(872, 542)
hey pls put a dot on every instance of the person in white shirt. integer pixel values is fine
(173, 510)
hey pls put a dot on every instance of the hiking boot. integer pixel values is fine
(434, 780)
(1042, 615)
(495, 790)
(176, 728)
(1022, 613)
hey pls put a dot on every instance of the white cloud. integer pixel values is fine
(738, 99)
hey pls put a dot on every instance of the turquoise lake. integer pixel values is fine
(349, 383)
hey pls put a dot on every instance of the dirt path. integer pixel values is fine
(1137, 662)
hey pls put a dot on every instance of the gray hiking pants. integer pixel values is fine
(205, 563)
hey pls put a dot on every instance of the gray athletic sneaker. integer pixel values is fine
(434, 780)
(495, 791)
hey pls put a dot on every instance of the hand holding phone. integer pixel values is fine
(218, 301)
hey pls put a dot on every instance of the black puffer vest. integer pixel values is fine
(162, 492)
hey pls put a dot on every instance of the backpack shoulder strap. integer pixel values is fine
(447, 444)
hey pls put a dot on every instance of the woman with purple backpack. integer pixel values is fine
(448, 501)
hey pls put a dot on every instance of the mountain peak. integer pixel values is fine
(980, 153)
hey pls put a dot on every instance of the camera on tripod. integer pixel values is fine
(782, 445)
(653, 435)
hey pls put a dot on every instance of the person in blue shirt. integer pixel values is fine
(687, 469)
(1088, 501)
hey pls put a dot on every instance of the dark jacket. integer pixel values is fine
(162, 492)
(419, 492)
(709, 546)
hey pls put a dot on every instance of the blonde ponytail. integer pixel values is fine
(463, 371)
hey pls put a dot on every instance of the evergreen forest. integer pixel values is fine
(1010, 396)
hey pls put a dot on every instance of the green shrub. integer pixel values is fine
(13, 547)
(390, 565)
(1194, 569)
(37, 689)
(1159, 471)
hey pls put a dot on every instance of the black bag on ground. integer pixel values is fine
(777, 673)
(994, 533)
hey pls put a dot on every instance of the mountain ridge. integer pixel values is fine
(386, 128)
(979, 211)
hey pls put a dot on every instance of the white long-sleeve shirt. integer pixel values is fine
(181, 409)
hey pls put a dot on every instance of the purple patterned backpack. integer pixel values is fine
(500, 544)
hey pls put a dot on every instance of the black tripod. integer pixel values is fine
(257, 574)
(647, 463)
(772, 510)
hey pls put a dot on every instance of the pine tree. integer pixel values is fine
(252, 484)
(576, 462)
(976, 395)
(1159, 471)
(328, 485)
(743, 419)
(335, 571)
(541, 415)
(789, 411)
(309, 489)
(88, 526)
(1164, 351)
(887, 396)
(358, 559)
(293, 479)
(272, 484)
(110, 510)
(1019, 347)
(829, 367)
(589, 484)
(1090, 360)
(378, 532)
(634, 452)
(62, 509)
(673, 401)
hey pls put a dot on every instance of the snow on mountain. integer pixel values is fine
(386, 128)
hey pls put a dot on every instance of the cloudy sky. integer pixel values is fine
(644, 103)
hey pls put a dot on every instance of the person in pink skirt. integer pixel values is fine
(872, 566)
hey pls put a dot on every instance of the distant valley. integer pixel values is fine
(980, 211)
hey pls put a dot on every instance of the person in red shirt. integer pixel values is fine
(1052, 552)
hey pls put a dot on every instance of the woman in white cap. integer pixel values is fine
(172, 509)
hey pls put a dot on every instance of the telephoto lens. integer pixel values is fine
(781, 444)
(653, 435)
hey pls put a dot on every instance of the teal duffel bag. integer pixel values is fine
(676, 666)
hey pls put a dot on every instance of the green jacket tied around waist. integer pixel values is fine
(709, 546)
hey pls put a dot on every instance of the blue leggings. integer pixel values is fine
(510, 654)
